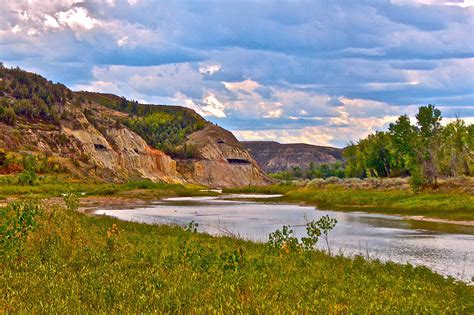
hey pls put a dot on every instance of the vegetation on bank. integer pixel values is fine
(55, 186)
(425, 151)
(452, 201)
(57, 260)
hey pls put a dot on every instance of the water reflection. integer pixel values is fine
(444, 248)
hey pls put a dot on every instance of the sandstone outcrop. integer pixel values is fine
(220, 161)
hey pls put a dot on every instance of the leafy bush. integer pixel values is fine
(285, 240)
(18, 222)
(28, 175)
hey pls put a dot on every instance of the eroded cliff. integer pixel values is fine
(220, 161)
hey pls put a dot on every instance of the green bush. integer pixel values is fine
(19, 220)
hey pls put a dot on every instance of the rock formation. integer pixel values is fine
(275, 157)
(221, 161)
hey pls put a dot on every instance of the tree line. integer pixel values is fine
(425, 151)
(30, 95)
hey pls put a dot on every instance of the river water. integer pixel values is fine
(444, 248)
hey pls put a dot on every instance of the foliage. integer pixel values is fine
(425, 151)
(72, 201)
(323, 170)
(286, 241)
(33, 96)
(163, 269)
(191, 227)
(28, 175)
(7, 113)
(19, 220)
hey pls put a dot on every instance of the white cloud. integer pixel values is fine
(274, 113)
(247, 85)
(213, 107)
(77, 18)
(50, 22)
(16, 29)
(209, 68)
(122, 41)
(99, 86)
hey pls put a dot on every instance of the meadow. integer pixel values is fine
(57, 260)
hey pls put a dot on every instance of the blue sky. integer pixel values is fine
(321, 72)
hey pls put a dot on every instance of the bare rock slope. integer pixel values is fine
(91, 147)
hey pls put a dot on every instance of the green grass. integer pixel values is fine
(54, 186)
(443, 205)
(75, 263)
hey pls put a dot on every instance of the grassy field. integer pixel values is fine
(452, 205)
(54, 186)
(61, 261)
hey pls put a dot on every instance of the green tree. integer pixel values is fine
(429, 130)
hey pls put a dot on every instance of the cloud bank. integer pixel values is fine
(322, 72)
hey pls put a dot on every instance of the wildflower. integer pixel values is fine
(113, 231)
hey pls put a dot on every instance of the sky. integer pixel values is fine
(320, 72)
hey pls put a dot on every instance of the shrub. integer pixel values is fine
(317, 182)
(19, 221)
(28, 175)
(285, 240)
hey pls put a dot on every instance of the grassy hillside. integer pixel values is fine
(57, 260)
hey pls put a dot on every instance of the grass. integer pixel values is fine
(55, 186)
(69, 262)
(443, 205)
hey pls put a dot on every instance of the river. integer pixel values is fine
(444, 248)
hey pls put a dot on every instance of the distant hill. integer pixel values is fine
(276, 157)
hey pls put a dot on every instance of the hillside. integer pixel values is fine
(98, 136)
(276, 157)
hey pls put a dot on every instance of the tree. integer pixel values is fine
(429, 131)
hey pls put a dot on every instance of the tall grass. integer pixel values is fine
(70, 262)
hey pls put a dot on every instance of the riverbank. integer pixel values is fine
(453, 206)
(135, 191)
(70, 261)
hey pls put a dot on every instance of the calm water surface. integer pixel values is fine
(445, 248)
